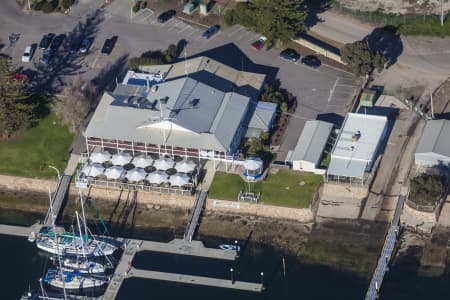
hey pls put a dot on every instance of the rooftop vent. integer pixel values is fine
(154, 88)
(164, 100)
(356, 136)
(194, 102)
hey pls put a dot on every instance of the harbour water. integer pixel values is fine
(23, 265)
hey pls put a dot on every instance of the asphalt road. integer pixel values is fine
(325, 92)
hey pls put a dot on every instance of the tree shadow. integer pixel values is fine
(315, 7)
(387, 41)
(50, 78)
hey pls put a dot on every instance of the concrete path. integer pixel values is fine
(210, 168)
(72, 164)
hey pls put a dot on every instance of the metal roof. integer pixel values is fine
(435, 138)
(312, 141)
(356, 144)
(193, 115)
(263, 115)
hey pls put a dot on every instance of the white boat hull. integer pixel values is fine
(77, 283)
(91, 248)
(84, 267)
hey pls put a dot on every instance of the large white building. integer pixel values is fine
(434, 146)
(356, 148)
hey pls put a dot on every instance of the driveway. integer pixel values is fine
(324, 92)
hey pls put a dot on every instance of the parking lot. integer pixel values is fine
(323, 93)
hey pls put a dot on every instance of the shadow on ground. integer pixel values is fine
(387, 41)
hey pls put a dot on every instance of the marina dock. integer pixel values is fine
(386, 253)
(18, 230)
(199, 280)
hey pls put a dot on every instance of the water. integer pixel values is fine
(23, 265)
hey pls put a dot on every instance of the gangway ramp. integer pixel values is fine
(58, 198)
(195, 216)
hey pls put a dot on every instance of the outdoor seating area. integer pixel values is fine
(138, 172)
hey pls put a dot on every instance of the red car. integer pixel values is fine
(259, 44)
(20, 76)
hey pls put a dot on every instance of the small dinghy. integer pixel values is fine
(230, 247)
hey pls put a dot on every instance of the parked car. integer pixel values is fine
(259, 44)
(28, 53)
(166, 16)
(311, 61)
(46, 41)
(290, 54)
(46, 56)
(85, 45)
(210, 31)
(108, 46)
(57, 42)
(75, 44)
(20, 76)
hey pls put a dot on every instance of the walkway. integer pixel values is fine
(199, 280)
(195, 216)
(58, 198)
(18, 230)
(386, 253)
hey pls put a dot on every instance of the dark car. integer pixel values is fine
(109, 45)
(46, 41)
(290, 54)
(311, 61)
(75, 44)
(57, 42)
(166, 16)
(85, 45)
(210, 31)
(46, 56)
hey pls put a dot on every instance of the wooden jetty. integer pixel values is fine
(386, 253)
(195, 216)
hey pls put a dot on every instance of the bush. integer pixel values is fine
(48, 7)
(37, 5)
(426, 189)
(66, 3)
(136, 8)
(135, 62)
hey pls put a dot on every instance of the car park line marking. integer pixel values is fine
(214, 36)
(175, 25)
(235, 31)
(332, 90)
(194, 31)
(184, 28)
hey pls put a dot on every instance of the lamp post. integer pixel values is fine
(57, 171)
(262, 278)
(232, 277)
(236, 247)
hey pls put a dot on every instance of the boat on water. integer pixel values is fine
(73, 280)
(81, 264)
(230, 247)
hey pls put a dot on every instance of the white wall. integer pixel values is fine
(430, 159)
(306, 166)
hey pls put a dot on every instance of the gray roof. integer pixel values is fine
(312, 141)
(348, 168)
(435, 138)
(201, 117)
(263, 115)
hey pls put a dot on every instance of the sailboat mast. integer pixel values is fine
(81, 235)
(82, 212)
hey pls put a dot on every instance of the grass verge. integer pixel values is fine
(285, 188)
(35, 149)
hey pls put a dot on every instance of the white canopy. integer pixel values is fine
(121, 159)
(157, 177)
(92, 170)
(136, 174)
(100, 157)
(253, 164)
(163, 163)
(179, 179)
(114, 172)
(185, 166)
(141, 161)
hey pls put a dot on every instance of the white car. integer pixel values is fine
(28, 53)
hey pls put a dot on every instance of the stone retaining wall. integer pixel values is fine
(27, 184)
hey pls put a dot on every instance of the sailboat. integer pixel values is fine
(73, 280)
(49, 240)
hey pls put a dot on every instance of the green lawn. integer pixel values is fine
(284, 188)
(36, 148)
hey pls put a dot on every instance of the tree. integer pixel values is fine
(426, 189)
(49, 6)
(276, 19)
(379, 60)
(66, 3)
(254, 146)
(16, 105)
(361, 60)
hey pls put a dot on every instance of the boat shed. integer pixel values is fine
(434, 146)
(310, 147)
(356, 148)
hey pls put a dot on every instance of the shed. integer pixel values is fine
(434, 145)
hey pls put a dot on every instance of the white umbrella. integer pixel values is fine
(157, 177)
(179, 179)
(142, 161)
(185, 166)
(121, 159)
(92, 170)
(114, 172)
(100, 157)
(136, 174)
(163, 163)
(253, 164)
